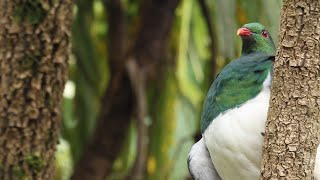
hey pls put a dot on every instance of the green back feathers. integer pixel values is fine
(239, 81)
(242, 79)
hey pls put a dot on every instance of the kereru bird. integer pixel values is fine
(234, 113)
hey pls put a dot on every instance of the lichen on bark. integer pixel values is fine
(292, 128)
(34, 51)
(31, 11)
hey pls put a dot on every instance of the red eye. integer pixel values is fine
(264, 33)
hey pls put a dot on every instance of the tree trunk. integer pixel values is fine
(292, 128)
(34, 50)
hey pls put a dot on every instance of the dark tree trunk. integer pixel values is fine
(34, 50)
(122, 95)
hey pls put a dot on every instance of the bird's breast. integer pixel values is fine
(234, 138)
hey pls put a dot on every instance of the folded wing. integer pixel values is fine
(200, 164)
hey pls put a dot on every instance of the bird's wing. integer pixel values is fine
(200, 164)
(238, 82)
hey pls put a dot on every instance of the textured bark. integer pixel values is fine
(292, 128)
(120, 99)
(34, 49)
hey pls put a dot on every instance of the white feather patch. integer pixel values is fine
(234, 138)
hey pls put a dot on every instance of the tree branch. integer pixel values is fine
(123, 91)
(212, 33)
(117, 104)
(118, 36)
(149, 51)
(138, 84)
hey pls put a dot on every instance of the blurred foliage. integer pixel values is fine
(175, 117)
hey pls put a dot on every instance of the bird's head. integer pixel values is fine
(256, 38)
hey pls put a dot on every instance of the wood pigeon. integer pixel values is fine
(234, 113)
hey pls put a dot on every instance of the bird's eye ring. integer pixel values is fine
(264, 33)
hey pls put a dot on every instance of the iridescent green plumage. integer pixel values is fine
(256, 42)
(242, 79)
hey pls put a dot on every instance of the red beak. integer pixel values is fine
(244, 32)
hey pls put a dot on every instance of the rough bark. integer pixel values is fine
(121, 97)
(34, 49)
(292, 128)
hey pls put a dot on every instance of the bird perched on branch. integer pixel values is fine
(234, 113)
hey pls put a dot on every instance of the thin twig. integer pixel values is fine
(137, 79)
